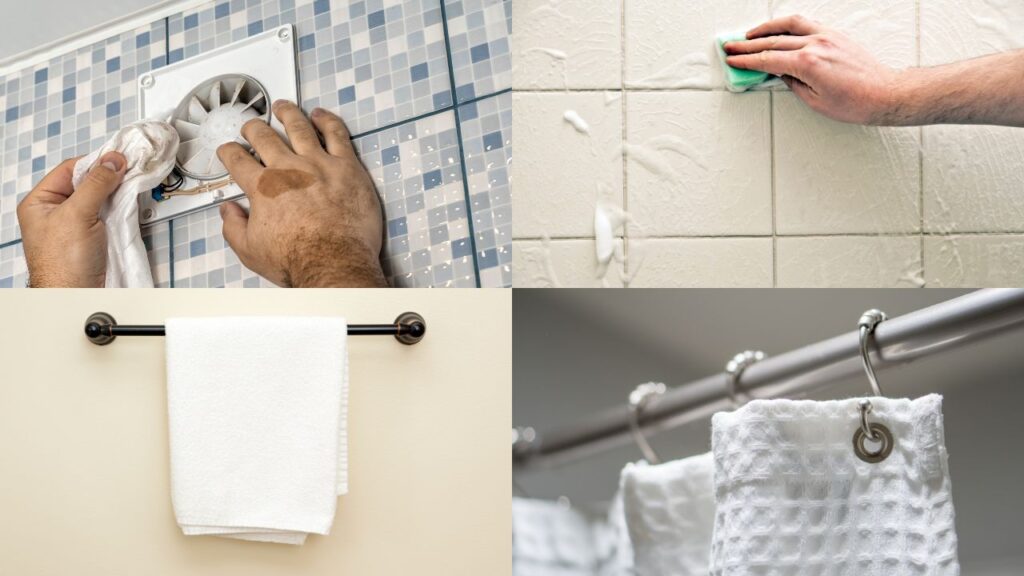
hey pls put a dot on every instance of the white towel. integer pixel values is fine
(150, 148)
(611, 541)
(257, 415)
(551, 539)
(792, 498)
(670, 512)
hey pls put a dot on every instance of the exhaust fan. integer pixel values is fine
(208, 98)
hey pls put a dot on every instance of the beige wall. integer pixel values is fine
(84, 485)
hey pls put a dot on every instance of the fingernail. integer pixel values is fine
(318, 111)
(279, 103)
(109, 165)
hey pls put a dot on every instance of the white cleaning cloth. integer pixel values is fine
(670, 512)
(257, 414)
(150, 148)
(792, 498)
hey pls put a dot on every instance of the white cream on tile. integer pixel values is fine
(566, 44)
(705, 262)
(559, 263)
(576, 121)
(849, 262)
(978, 261)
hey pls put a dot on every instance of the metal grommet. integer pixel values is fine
(881, 433)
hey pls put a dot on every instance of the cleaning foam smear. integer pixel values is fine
(736, 79)
(577, 121)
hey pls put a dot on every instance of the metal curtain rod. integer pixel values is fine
(944, 326)
(409, 328)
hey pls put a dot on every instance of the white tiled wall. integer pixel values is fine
(753, 189)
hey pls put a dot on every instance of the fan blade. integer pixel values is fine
(238, 91)
(214, 99)
(196, 112)
(186, 130)
(257, 98)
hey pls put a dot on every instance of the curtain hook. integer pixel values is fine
(735, 367)
(875, 432)
(639, 398)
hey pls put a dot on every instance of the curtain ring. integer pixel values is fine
(875, 432)
(639, 398)
(734, 369)
(868, 322)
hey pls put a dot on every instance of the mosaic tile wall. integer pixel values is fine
(422, 84)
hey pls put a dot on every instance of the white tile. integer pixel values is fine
(974, 261)
(559, 173)
(699, 163)
(887, 28)
(566, 44)
(953, 30)
(849, 262)
(560, 264)
(835, 178)
(973, 179)
(675, 48)
(701, 262)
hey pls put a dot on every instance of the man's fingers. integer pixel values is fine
(767, 43)
(336, 136)
(234, 230)
(266, 142)
(241, 165)
(794, 25)
(780, 63)
(300, 131)
(101, 181)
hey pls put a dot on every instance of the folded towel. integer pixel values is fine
(793, 498)
(670, 512)
(551, 539)
(150, 148)
(611, 541)
(257, 415)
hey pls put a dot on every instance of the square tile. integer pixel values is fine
(562, 170)
(701, 263)
(479, 34)
(834, 178)
(961, 29)
(993, 261)
(567, 44)
(699, 163)
(561, 264)
(201, 257)
(849, 262)
(157, 239)
(487, 149)
(887, 28)
(75, 106)
(675, 48)
(13, 271)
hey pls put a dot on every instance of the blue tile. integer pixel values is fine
(346, 95)
(53, 129)
(142, 40)
(321, 6)
(465, 92)
(251, 282)
(113, 109)
(418, 72)
(7, 282)
(306, 42)
(442, 100)
(468, 112)
(390, 155)
(397, 227)
(197, 248)
(114, 64)
(461, 248)
(255, 27)
(376, 19)
(38, 163)
(432, 179)
(12, 114)
(41, 75)
(191, 21)
(222, 10)
(480, 52)
(175, 55)
(488, 258)
(69, 95)
(493, 141)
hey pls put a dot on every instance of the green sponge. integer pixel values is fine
(736, 79)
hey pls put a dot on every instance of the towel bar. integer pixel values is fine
(409, 328)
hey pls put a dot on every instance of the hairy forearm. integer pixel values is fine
(985, 90)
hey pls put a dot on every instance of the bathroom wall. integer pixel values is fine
(422, 85)
(84, 447)
(753, 189)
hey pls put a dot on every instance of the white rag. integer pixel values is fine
(257, 410)
(670, 512)
(149, 147)
(792, 497)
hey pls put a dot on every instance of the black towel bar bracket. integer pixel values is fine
(409, 328)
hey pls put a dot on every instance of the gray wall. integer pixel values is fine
(580, 351)
(27, 24)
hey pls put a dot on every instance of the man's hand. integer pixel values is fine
(65, 242)
(831, 73)
(315, 218)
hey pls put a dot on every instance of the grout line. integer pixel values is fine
(458, 133)
(627, 228)
(425, 115)
(866, 235)
(170, 247)
(170, 222)
(10, 243)
(771, 152)
(920, 155)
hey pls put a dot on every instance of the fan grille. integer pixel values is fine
(213, 114)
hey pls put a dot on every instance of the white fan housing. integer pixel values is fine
(213, 114)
